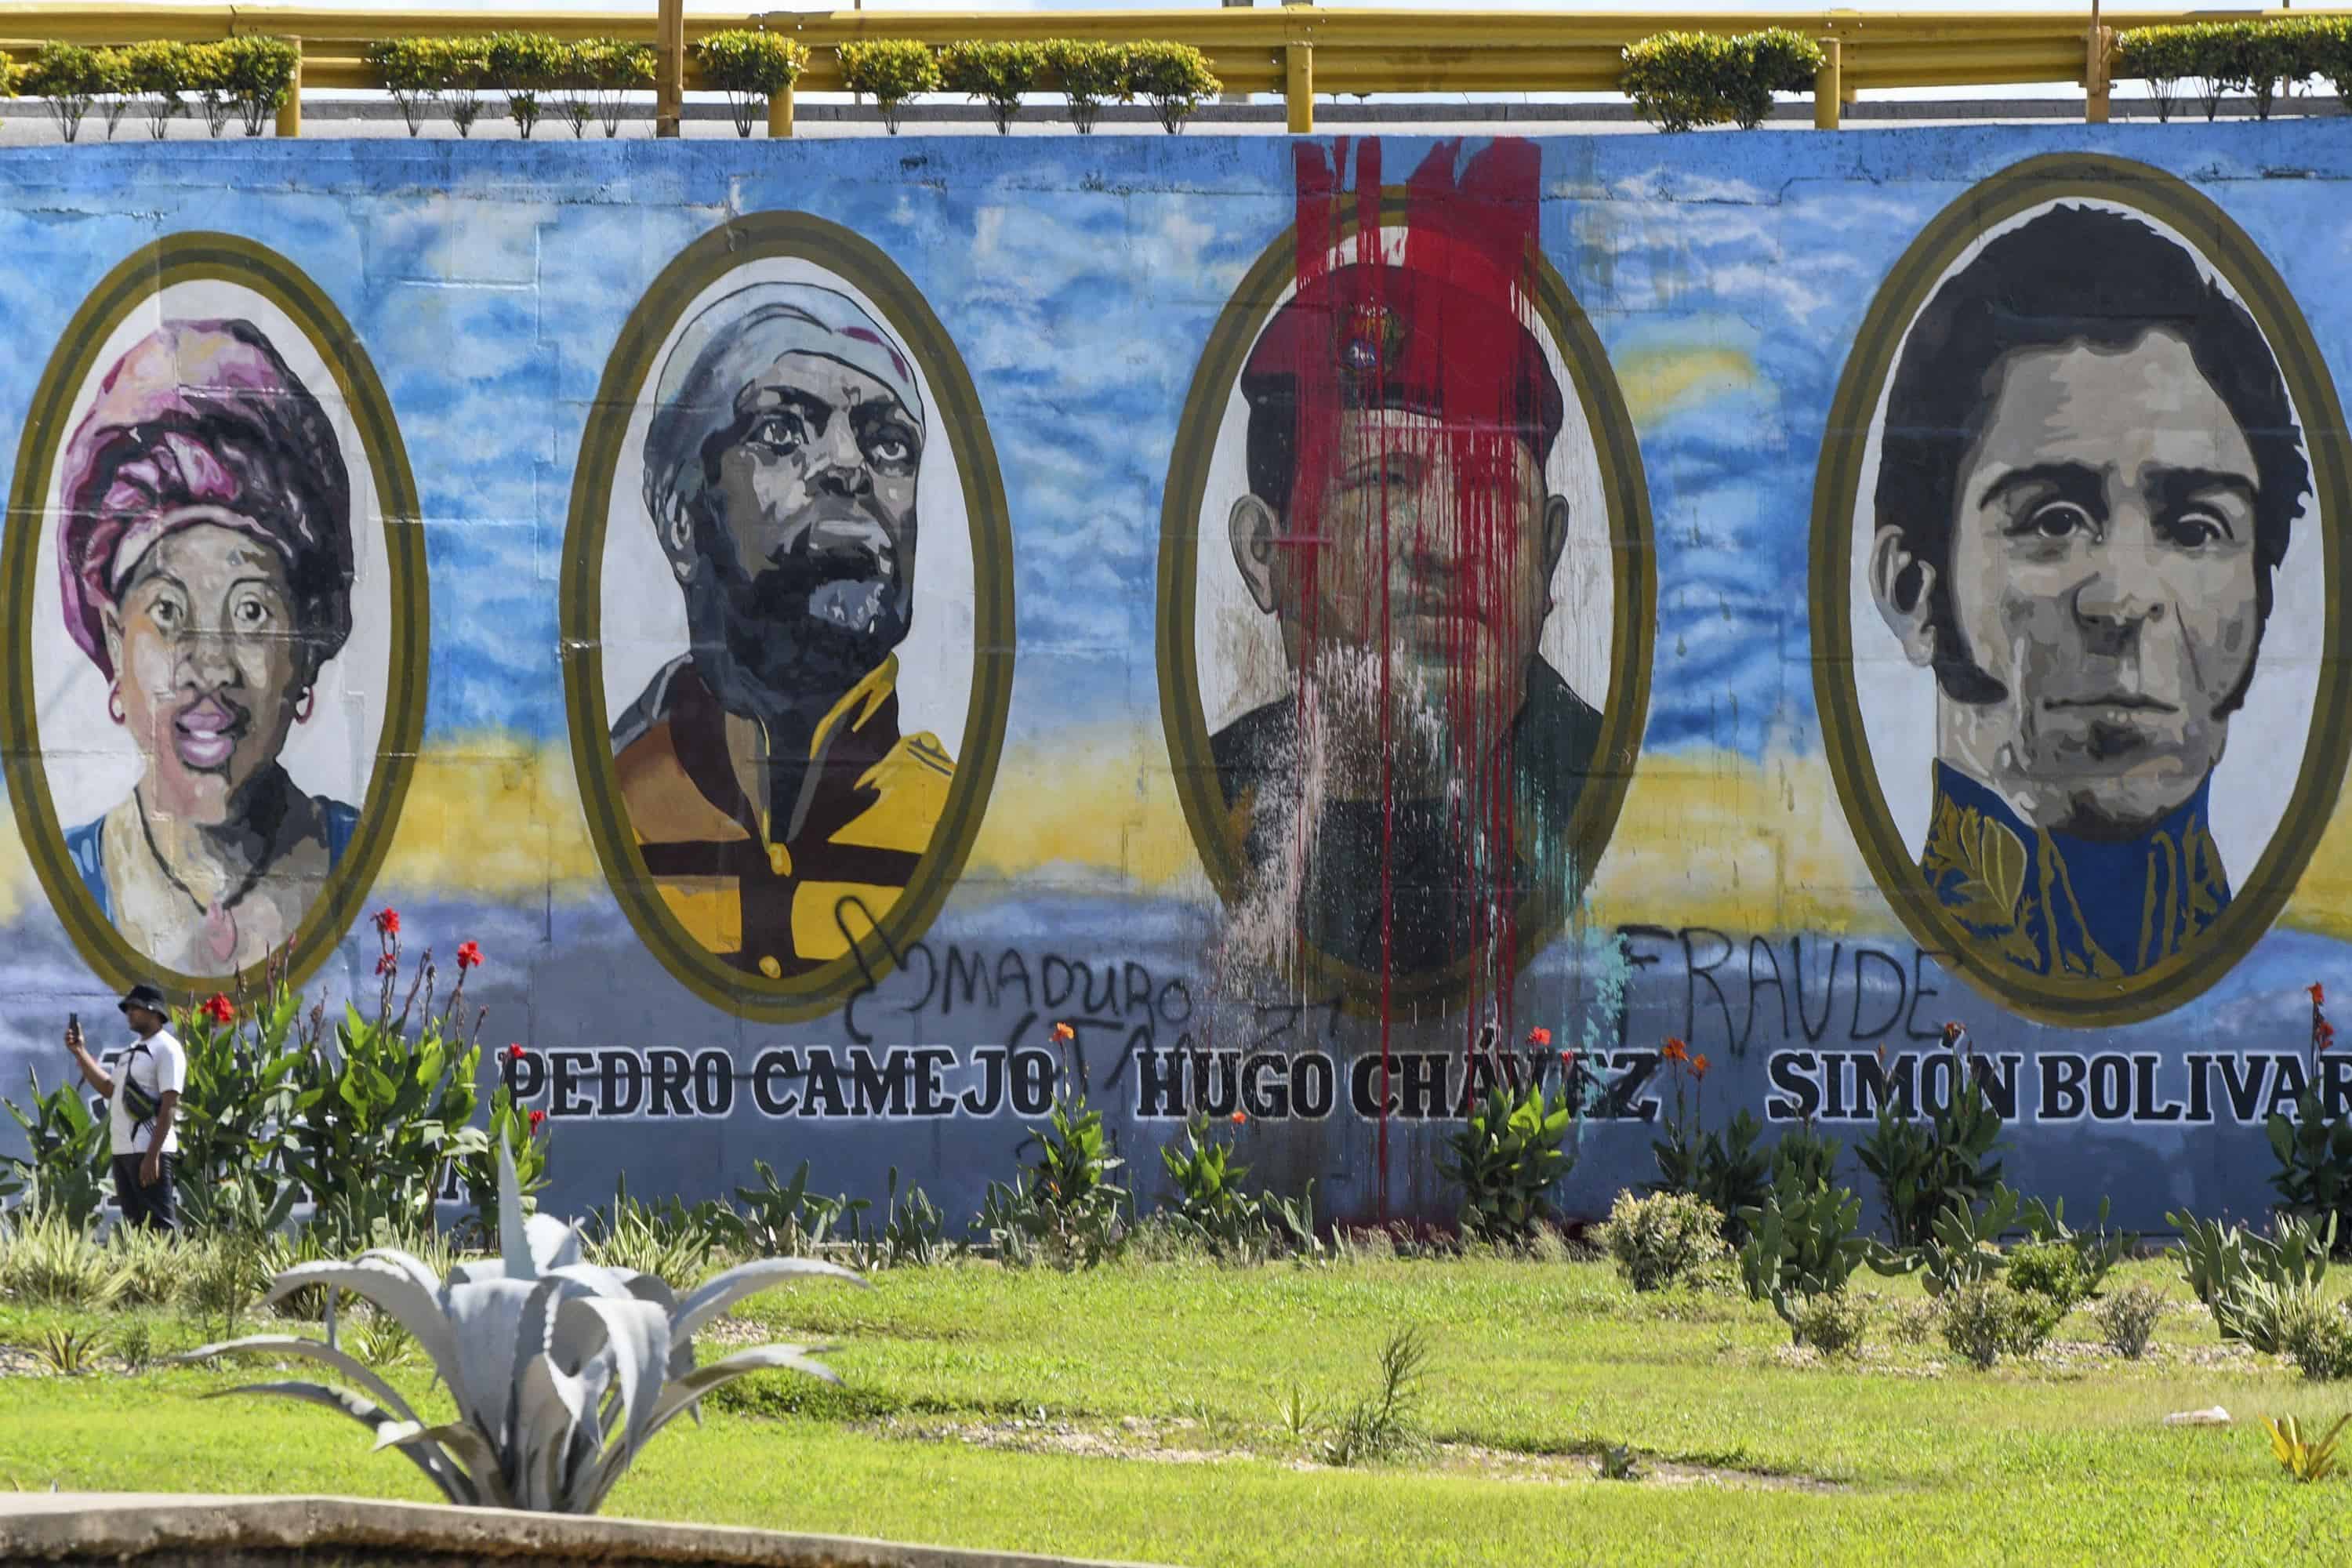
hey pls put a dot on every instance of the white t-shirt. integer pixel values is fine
(159, 1067)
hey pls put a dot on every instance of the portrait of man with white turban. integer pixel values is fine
(763, 773)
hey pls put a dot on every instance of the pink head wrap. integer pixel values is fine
(203, 422)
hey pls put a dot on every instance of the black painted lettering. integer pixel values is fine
(1159, 1083)
(821, 1092)
(883, 1087)
(671, 1071)
(1013, 969)
(1758, 946)
(1920, 992)
(1790, 1072)
(570, 1068)
(2062, 1087)
(2110, 1087)
(714, 1083)
(967, 975)
(620, 1083)
(769, 1075)
(1813, 1032)
(1313, 1085)
(1031, 1075)
(1266, 1087)
(1694, 972)
(984, 1100)
(1854, 1030)
(2242, 1080)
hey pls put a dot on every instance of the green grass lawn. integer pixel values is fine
(1155, 1404)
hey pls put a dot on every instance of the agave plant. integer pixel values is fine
(562, 1371)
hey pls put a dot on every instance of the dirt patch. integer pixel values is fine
(1181, 1441)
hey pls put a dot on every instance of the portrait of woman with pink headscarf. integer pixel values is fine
(206, 562)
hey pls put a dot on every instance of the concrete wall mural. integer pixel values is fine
(1305, 614)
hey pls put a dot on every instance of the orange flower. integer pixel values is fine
(1674, 1051)
(1063, 1034)
(1698, 1065)
(2324, 1033)
(469, 954)
(220, 1010)
(2318, 994)
(1538, 1035)
(1239, 1118)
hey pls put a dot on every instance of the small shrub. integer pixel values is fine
(1174, 77)
(1914, 1322)
(2306, 1460)
(2128, 1319)
(2314, 1176)
(1806, 1157)
(158, 75)
(996, 73)
(1804, 1244)
(464, 72)
(68, 76)
(67, 1351)
(411, 69)
(1658, 1240)
(113, 78)
(787, 1220)
(150, 1263)
(257, 74)
(665, 1239)
(1508, 1157)
(208, 78)
(890, 71)
(2160, 56)
(2052, 1270)
(750, 66)
(1384, 1426)
(1833, 1322)
(1617, 1464)
(48, 1260)
(2317, 1337)
(2222, 1263)
(1681, 80)
(1064, 1210)
(1983, 1321)
(523, 66)
(225, 1276)
(617, 68)
(134, 1341)
(1091, 74)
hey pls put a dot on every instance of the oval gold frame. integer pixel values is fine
(759, 236)
(2263, 892)
(145, 273)
(1625, 704)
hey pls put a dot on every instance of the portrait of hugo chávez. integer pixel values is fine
(763, 772)
(2090, 470)
(1417, 780)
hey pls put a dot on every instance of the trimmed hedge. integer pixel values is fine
(891, 70)
(2223, 58)
(1091, 74)
(750, 66)
(1680, 81)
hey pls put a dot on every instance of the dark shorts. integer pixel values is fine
(157, 1207)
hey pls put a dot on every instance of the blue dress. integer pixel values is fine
(83, 844)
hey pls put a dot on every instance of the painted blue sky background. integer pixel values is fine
(1080, 279)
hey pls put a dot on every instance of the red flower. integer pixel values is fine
(2324, 1033)
(536, 1118)
(514, 1052)
(1952, 1031)
(387, 964)
(220, 1009)
(1063, 1033)
(469, 954)
(1568, 1061)
(1538, 1035)
(387, 922)
(1239, 1118)
(1698, 1065)
(2318, 994)
(1674, 1051)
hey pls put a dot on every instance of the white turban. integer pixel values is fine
(726, 346)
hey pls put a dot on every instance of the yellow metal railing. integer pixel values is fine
(1295, 50)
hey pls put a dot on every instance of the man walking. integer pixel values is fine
(144, 1094)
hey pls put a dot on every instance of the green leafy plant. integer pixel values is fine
(523, 66)
(664, 1239)
(237, 1119)
(912, 1234)
(68, 77)
(1091, 74)
(2313, 1150)
(149, 1263)
(1173, 78)
(64, 1167)
(2052, 1270)
(788, 1220)
(113, 76)
(1064, 1209)
(1804, 1243)
(2306, 1460)
(2316, 1335)
(1984, 1321)
(1805, 1156)
(561, 1375)
(1661, 1239)
(2096, 1251)
(1617, 1464)
(997, 73)
(890, 71)
(69, 1351)
(1681, 80)
(1923, 1165)
(1508, 1156)
(411, 70)
(2161, 57)
(1213, 1211)
(258, 74)
(226, 1279)
(134, 1342)
(750, 66)
(2128, 1319)
(1963, 1245)
(1384, 1426)
(157, 70)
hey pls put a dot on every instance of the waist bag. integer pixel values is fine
(142, 1105)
